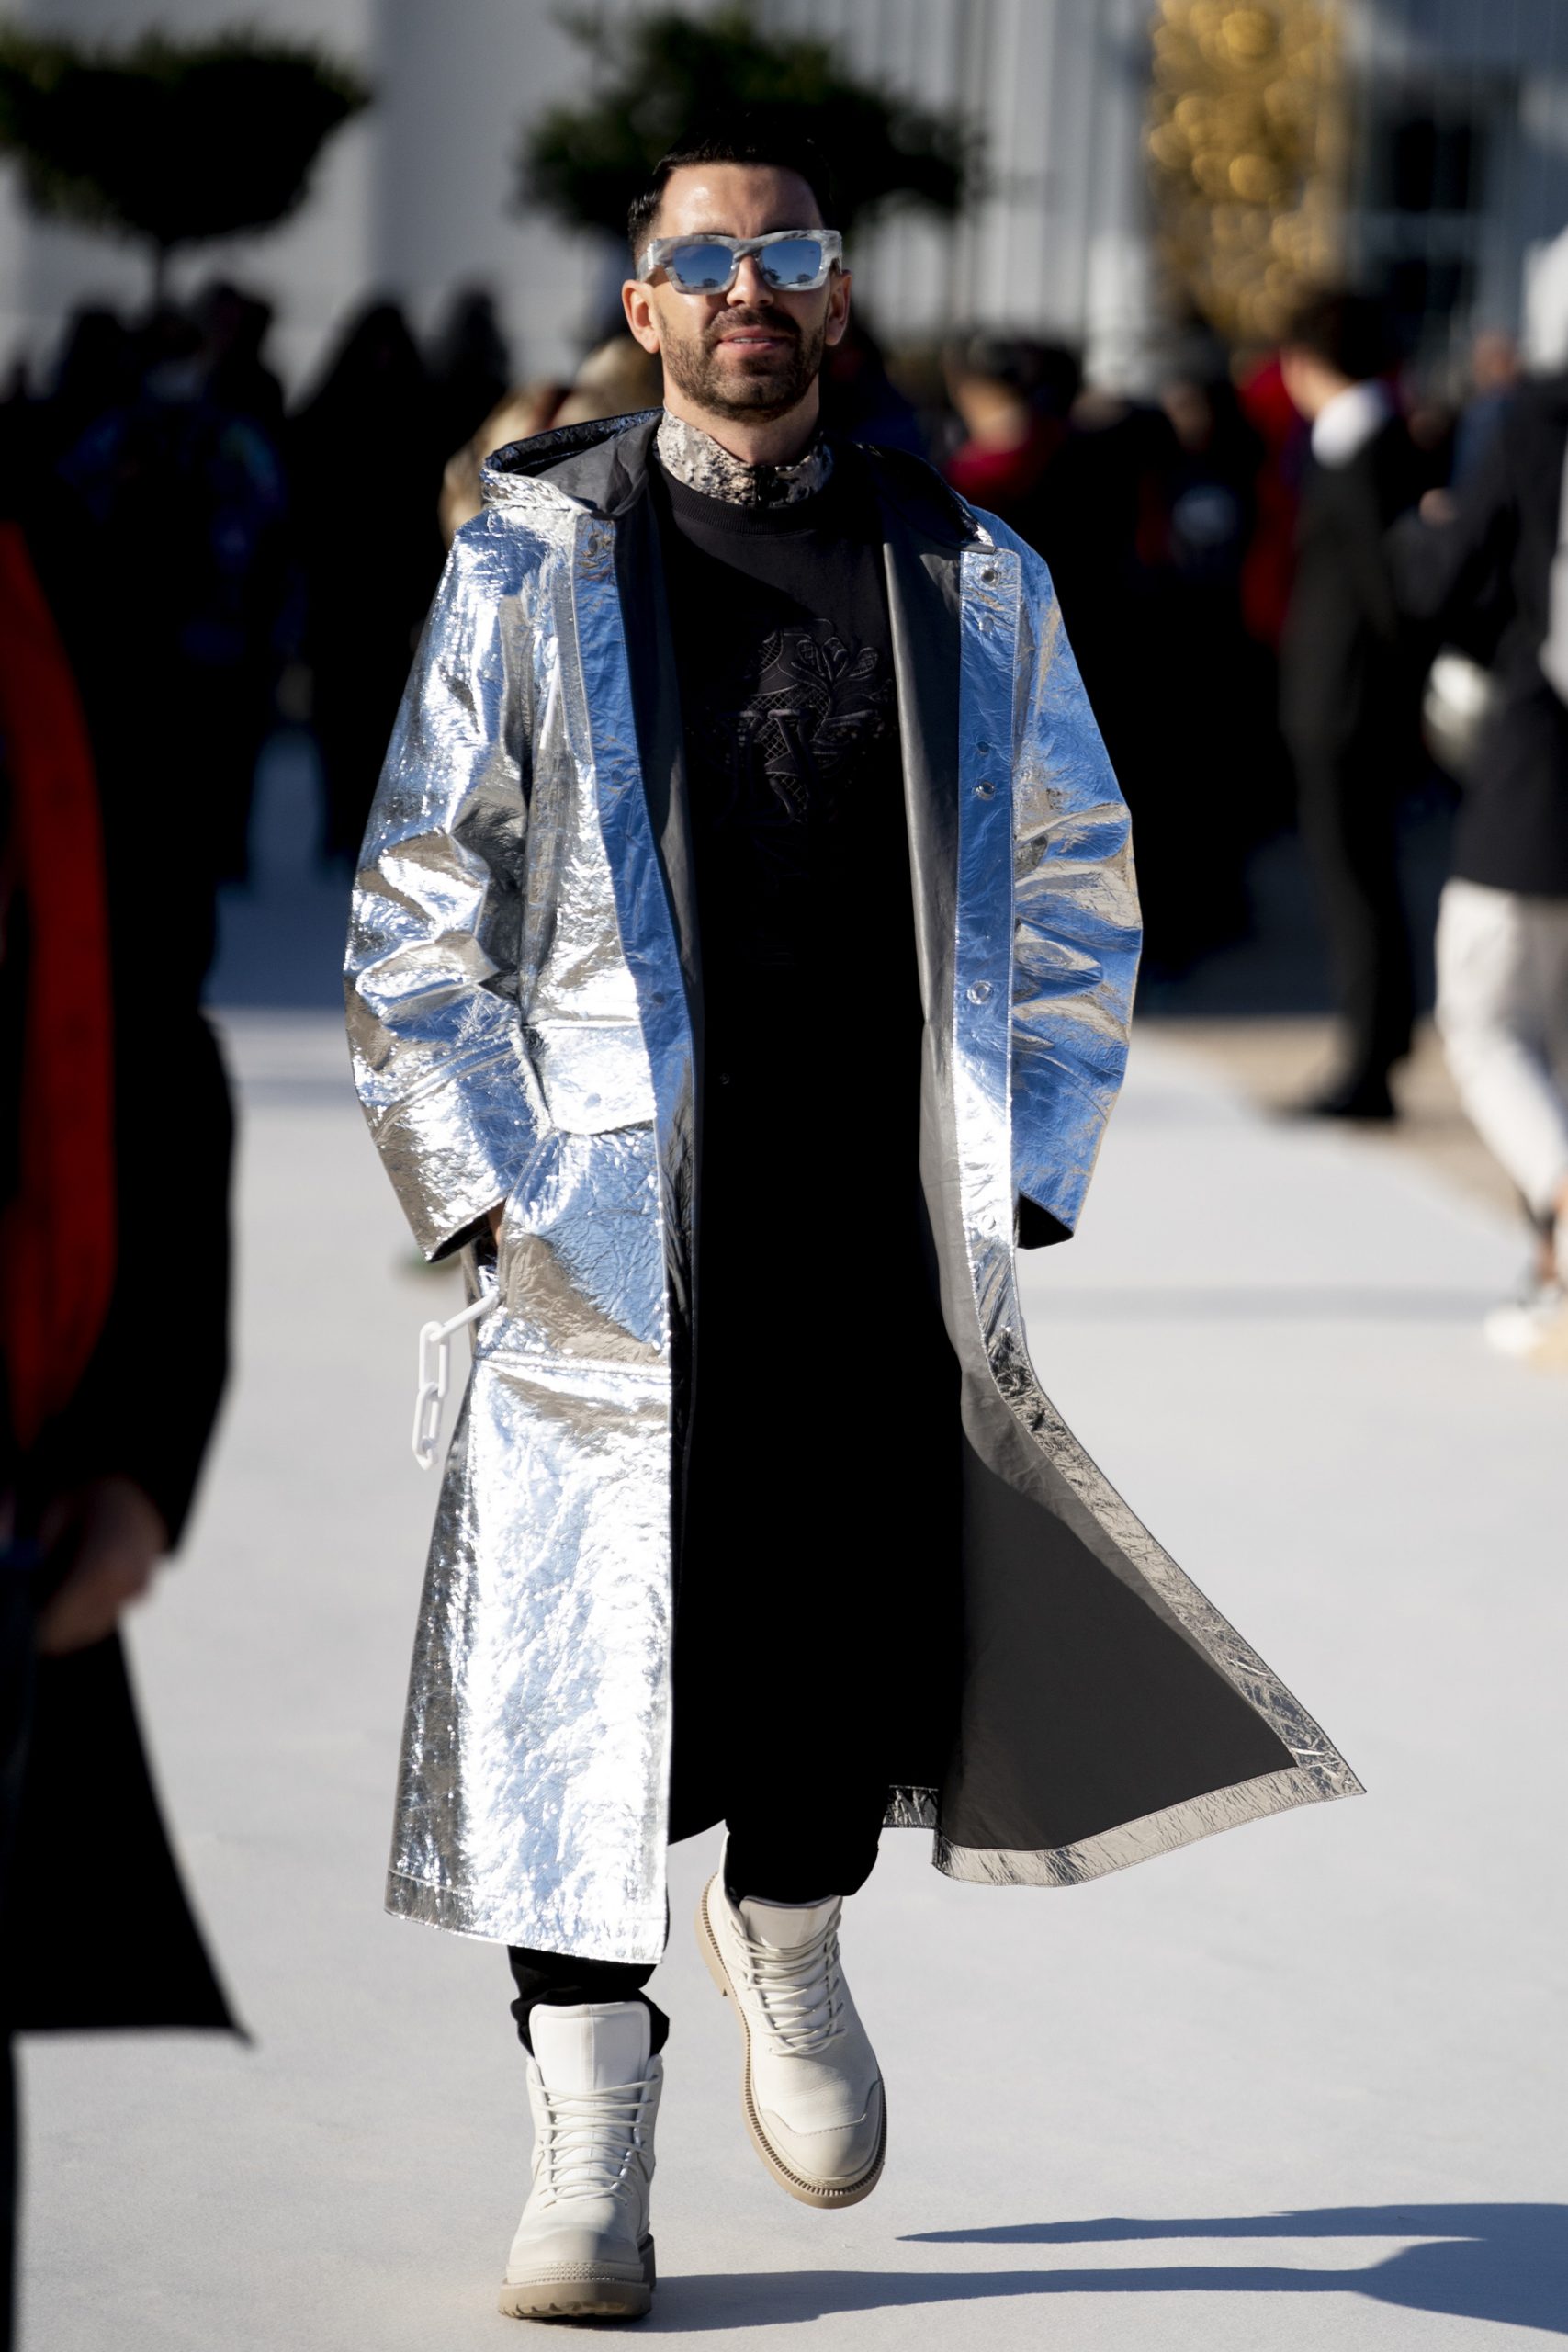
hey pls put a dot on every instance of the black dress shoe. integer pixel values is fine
(1365, 1098)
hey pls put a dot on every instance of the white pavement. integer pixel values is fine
(1318, 2065)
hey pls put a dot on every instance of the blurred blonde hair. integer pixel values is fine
(613, 381)
(617, 378)
(526, 409)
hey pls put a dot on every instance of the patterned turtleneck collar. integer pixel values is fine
(697, 460)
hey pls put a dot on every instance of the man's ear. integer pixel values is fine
(638, 309)
(837, 317)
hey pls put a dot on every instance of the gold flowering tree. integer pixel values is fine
(1246, 143)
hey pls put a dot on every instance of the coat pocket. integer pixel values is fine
(593, 1074)
(581, 1268)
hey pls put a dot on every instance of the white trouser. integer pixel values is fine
(1503, 1016)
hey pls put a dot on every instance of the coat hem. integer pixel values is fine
(459, 1911)
(1154, 1833)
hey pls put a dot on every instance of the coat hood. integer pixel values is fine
(601, 466)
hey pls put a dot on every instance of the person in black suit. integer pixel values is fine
(1349, 686)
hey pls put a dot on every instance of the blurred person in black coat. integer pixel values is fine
(234, 326)
(1485, 570)
(860, 399)
(94, 372)
(113, 1345)
(176, 502)
(470, 367)
(366, 455)
(1094, 482)
(1218, 682)
(1349, 684)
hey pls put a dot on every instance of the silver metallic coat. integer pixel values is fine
(521, 1006)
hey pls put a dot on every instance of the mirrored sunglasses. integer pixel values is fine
(792, 261)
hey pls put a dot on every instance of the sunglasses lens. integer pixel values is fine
(700, 269)
(793, 262)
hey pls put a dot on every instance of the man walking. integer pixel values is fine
(1488, 567)
(1349, 688)
(740, 967)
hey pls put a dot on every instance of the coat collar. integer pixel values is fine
(603, 468)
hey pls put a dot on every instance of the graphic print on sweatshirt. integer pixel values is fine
(785, 754)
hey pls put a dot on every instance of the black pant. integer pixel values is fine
(816, 1625)
(798, 1856)
(1348, 822)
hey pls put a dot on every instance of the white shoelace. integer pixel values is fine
(588, 2138)
(798, 1987)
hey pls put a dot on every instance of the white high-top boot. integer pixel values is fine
(811, 2092)
(582, 2249)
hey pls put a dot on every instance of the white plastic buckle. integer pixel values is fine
(433, 1387)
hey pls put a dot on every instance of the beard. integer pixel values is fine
(762, 387)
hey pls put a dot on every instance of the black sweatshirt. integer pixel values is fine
(786, 672)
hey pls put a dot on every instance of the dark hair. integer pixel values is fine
(751, 138)
(1348, 332)
(1045, 374)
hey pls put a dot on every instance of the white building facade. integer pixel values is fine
(1460, 124)
(418, 195)
(1460, 138)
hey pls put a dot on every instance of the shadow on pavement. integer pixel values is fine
(1506, 2263)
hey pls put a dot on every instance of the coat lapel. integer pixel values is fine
(651, 654)
(922, 562)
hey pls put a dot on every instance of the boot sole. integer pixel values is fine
(805, 2191)
(582, 2294)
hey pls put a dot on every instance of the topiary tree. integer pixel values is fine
(170, 142)
(585, 164)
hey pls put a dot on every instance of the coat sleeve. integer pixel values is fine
(1076, 926)
(431, 977)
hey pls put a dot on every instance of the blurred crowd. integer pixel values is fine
(219, 560)
(163, 455)
(256, 589)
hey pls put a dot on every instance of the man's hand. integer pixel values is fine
(114, 1538)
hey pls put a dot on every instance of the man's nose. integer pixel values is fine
(751, 287)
